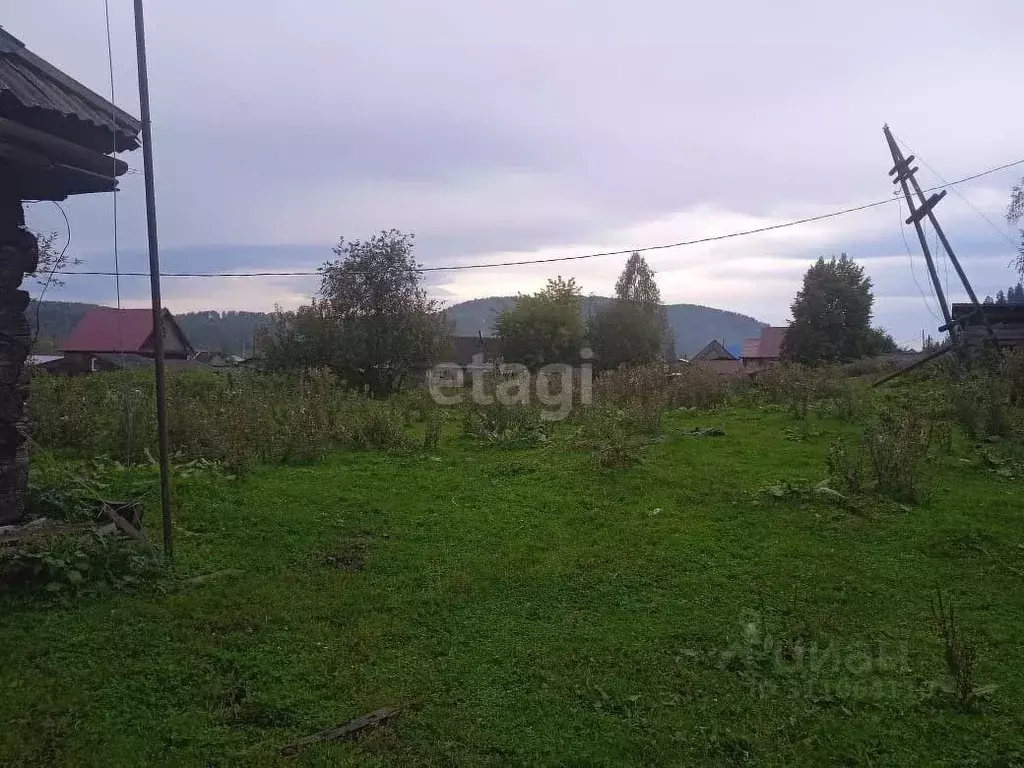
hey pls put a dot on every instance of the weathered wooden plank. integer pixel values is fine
(61, 150)
(344, 732)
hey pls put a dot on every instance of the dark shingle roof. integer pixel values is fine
(36, 93)
(714, 350)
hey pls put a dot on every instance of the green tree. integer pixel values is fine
(832, 315)
(544, 328)
(372, 323)
(632, 329)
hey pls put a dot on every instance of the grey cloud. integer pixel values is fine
(295, 123)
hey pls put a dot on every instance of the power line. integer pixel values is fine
(996, 227)
(113, 192)
(554, 259)
(913, 273)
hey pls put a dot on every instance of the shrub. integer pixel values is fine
(979, 403)
(959, 655)
(895, 443)
(698, 386)
(235, 418)
(67, 564)
(645, 386)
(432, 435)
(796, 386)
(615, 436)
(1012, 370)
(850, 400)
(506, 425)
(846, 465)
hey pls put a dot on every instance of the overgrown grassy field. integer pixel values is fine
(526, 606)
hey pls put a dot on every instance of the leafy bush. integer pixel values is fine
(846, 465)
(895, 443)
(506, 425)
(849, 400)
(1012, 370)
(616, 436)
(698, 386)
(888, 457)
(645, 387)
(68, 564)
(979, 403)
(796, 386)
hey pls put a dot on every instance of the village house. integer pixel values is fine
(765, 351)
(718, 357)
(1007, 322)
(108, 339)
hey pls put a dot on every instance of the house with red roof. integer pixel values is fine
(107, 339)
(765, 351)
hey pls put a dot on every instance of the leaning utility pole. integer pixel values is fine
(923, 208)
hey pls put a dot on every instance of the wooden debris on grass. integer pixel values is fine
(350, 730)
(208, 577)
(113, 517)
(128, 519)
(704, 432)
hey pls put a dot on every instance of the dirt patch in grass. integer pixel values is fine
(349, 556)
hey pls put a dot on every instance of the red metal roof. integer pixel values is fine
(771, 341)
(107, 330)
(768, 347)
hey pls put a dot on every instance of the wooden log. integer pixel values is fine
(349, 730)
(61, 150)
(129, 529)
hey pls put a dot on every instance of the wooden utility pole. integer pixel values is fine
(154, 284)
(924, 208)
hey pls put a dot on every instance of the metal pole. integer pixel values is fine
(154, 283)
(898, 160)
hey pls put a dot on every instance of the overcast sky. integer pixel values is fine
(499, 131)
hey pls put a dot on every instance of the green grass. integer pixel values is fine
(526, 607)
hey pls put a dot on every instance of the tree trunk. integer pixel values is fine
(19, 254)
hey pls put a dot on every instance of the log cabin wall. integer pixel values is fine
(18, 254)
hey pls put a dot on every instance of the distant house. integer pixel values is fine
(474, 354)
(107, 339)
(1007, 322)
(765, 351)
(717, 357)
(467, 350)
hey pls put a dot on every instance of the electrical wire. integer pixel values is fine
(554, 259)
(113, 192)
(996, 227)
(913, 273)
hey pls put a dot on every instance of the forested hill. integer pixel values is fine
(694, 325)
(232, 332)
